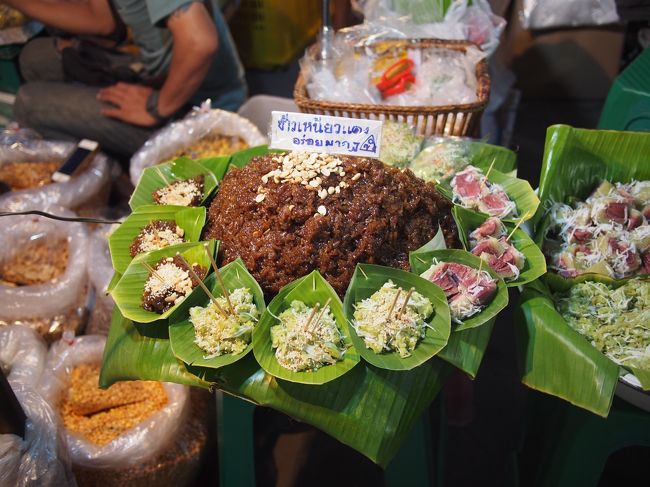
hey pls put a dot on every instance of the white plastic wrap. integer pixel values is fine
(100, 274)
(22, 353)
(73, 194)
(545, 14)
(442, 76)
(52, 305)
(179, 134)
(423, 19)
(138, 444)
(38, 459)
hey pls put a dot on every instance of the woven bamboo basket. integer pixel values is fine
(427, 120)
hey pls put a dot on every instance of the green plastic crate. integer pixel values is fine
(628, 102)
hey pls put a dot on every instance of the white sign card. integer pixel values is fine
(321, 133)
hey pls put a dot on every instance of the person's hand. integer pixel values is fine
(129, 103)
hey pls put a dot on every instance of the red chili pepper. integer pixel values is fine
(397, 78)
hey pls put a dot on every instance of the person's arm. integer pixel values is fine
(92, 17)
(195, 40)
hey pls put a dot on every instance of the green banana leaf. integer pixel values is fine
(577, 160)
(366, 280)
(113, 282)
(311, 290)
(421, 261)
(241, 158)
(128, 292)
(128, 355)
(181, 330)
(535, 264)
(557, 360)
(217, 165)
(466, 348)
(518, 190)
(155, 177)
(482, 155)
(349, 409)
(191, 220)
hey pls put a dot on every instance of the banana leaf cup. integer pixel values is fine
(553, 357)
(366, 280)
(181, 330)
(191, 220)
(518, 190)
(422, 261)
(161, 175)
(535, 263)
(128, 293)
(312, 289)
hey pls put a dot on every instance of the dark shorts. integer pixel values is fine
(68, 111)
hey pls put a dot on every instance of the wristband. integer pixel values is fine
(152, 107)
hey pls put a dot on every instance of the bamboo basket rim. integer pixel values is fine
(482, 91)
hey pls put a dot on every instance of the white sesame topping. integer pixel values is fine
(356, 176)
(322, 210)
(260, 197)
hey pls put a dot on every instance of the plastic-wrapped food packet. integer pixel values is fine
(136, 445)
(25, 161)
(441, 157)
(441, 76)
(399, 144)
(40, 458)
(43, 283)
(100, 274)
(181, 134)
(536, 14)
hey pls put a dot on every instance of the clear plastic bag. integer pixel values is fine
(30, 251)
(135, 446)
(179, 134)
(78, 192)
(536, 14)
(356, 57)
(40, 458)
(100, 274)
(426, 19)
(22, 353)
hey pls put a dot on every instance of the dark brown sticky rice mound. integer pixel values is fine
(378, 219)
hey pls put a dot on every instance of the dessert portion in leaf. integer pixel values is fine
(186, 192)
(226, 324)
(157, 235)
(169, 282)
(307, 338)
(472, 189)
(606, 234)
(392, 319)
(491, 242)
(468, 290)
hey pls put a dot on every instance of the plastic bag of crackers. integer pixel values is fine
(26, 169)
(43, 282)
(39, 457)
(205, 132)
(118, 427)
(100, 274)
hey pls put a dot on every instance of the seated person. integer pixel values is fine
(185, 55)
